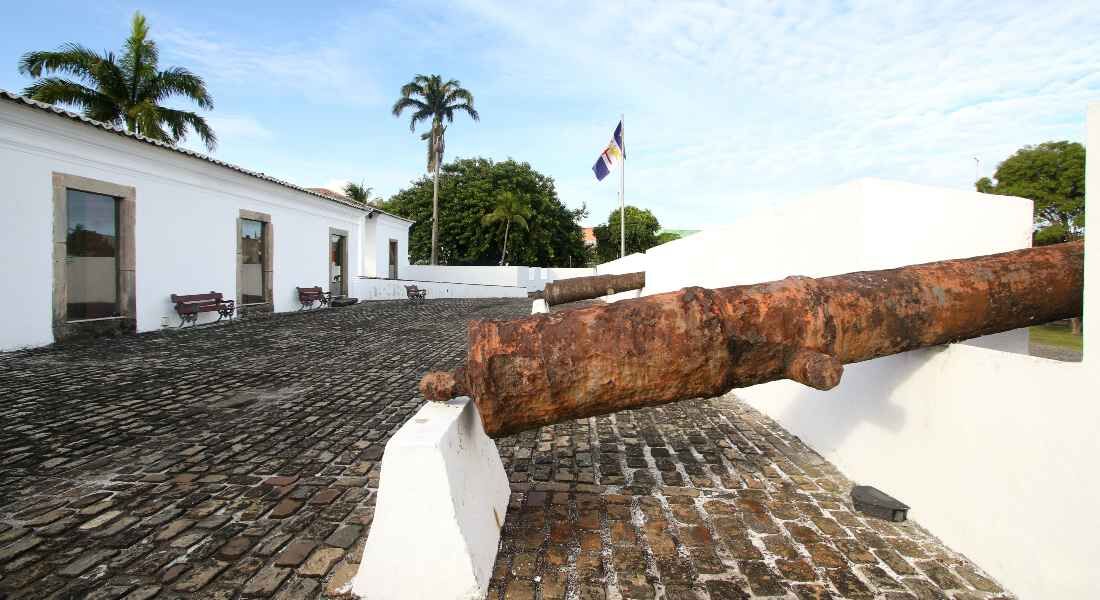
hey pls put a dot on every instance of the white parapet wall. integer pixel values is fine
(533, 279)
(994, 450)
(369, 288)
(442, 498)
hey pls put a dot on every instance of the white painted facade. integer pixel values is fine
(379, 230)
(185, 226)
(185, 230)
(993, 449)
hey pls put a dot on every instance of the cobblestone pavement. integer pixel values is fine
(239, 461)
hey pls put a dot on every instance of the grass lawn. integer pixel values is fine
(1056, 334)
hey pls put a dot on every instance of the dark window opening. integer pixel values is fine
(252, 262)
(91, 257)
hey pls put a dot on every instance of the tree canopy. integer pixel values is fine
(641, 233)
(126, 90)
(470, 189)
(1052, 175)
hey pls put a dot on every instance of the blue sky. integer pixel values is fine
(730, 107)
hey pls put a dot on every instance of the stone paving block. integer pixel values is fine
(86, 562)
(319, 563)
(243, 458)
(264, 583)
(295, 553)
(198, 576)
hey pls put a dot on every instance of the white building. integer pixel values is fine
(103, 226)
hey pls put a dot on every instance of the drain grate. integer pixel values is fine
(876, 503)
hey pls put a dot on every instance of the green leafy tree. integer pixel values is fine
(127, 90)
(510, 209)
(473, 187)
(432, 99)
(641, 233)
(358, 192)
(1052, 175)
(666, 237)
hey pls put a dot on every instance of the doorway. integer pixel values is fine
(393, 259)
(338, 262)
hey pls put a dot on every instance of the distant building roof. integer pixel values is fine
(16, 98)
(343, 198)
(588, 236)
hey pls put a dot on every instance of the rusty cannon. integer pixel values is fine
(587, 288)
(698, 343)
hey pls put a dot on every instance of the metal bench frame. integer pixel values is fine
(307, 297)
(415, 294)
(189, 306)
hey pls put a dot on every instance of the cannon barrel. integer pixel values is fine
(698, 343)
(587, 288)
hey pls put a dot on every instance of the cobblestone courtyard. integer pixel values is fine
(240, 461)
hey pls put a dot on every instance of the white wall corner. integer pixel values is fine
(442, 497)
(1092, 243)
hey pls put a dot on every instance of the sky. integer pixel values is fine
(730, 107)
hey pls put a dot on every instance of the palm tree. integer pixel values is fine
(431, 98)
(510, 209)
(358, 192)
(127, 90)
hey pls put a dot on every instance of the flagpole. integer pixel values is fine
(622, 192)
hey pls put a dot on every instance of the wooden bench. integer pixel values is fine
(415, 293)
(308, 296)
(189, 306)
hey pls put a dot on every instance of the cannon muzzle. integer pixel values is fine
(587, 288)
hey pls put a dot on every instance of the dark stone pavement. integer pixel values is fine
(239, 461)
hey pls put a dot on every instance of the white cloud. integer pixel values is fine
(733, 106)
(324, 72)
(238, 127)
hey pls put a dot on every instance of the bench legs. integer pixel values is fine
(192, 318)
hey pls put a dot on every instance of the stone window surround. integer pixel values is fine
(63, 328)
(268, 259)
(344, 277)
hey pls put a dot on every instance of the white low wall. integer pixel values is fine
(980, 442)
(631, 263)
(366, 288)
(533, 279)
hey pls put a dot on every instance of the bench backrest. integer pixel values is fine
(310, 291)
(189, 298)
(411, 288)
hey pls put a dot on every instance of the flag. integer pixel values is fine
(611, 156)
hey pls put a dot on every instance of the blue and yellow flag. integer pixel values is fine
(611, 156)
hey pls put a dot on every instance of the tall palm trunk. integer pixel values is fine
(435, 213)
(504, 251)
(437, 154)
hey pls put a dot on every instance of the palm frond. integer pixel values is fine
(70, 59)
(94, 105)
(411, 103)
(139, 58)
(178, 122)
(468, 109)
(179, 81)
(145, 119)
